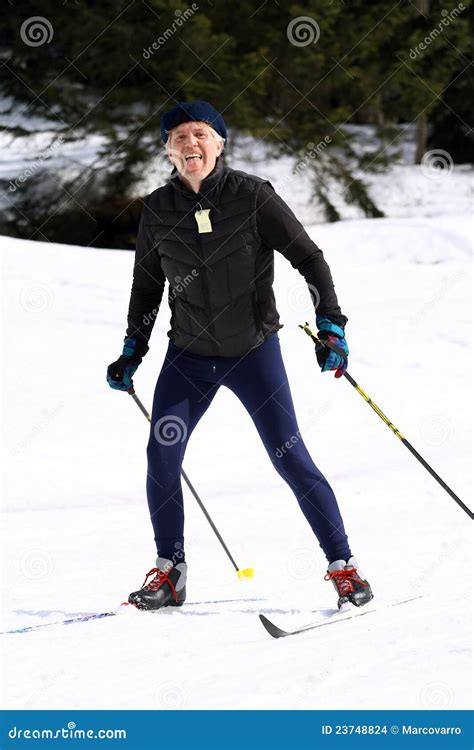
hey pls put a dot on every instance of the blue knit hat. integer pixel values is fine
(198, 111)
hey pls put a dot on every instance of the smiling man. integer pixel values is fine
(211, 232)
(193, 148)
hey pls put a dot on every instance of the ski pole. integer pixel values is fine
(246, 572)
(389, 424)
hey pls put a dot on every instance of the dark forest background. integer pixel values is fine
(110, 69)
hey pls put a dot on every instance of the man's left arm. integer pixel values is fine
(280, 230)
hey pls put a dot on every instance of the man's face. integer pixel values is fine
(193, 149)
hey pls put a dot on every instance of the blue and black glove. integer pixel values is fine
(327, 358)
(120, 373)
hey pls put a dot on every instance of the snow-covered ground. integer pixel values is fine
(76, 535)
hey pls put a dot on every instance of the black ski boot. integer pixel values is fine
(349, 583)
(166, 589)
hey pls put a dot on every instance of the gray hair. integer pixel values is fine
(217, 137)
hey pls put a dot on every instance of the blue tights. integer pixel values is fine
(185, 389)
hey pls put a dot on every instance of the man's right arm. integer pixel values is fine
(147, 287)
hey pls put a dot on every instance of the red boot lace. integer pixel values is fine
(158, 581)
(345, 580)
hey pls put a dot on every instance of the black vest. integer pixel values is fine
(220, 282)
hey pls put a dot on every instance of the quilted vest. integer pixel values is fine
(220, 281)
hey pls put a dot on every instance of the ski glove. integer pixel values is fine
(120, 373)
(327, 358)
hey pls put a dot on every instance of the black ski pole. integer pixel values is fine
(389, 424)
(246, 572)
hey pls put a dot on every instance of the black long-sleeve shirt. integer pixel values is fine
(279, 229)
(147, 287)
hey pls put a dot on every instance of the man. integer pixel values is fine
(211, 232)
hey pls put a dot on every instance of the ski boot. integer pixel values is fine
(166, 589)
(349, 583)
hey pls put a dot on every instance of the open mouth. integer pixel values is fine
(193, 157)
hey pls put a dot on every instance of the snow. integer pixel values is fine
(402, 190)
(76, 536)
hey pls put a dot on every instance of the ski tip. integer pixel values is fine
(272, 629)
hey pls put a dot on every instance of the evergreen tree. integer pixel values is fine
(293, 76)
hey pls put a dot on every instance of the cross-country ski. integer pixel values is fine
(349, 614)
